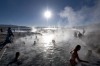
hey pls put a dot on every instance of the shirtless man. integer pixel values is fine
(75, 56)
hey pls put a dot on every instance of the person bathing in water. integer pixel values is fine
(74, 56)
(16, 59)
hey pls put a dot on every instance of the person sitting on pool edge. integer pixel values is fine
(74, 56)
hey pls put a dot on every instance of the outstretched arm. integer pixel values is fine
(81, 60)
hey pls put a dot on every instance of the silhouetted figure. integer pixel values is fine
(34, 43)
(53, 41)
(80, 35)
(74, 56)
(15, 60)
(9, 35)
(8, 38)
(36, 38)
(1, 30)
(9, 32)
(23, 42)
(75, 34)
(83, 31)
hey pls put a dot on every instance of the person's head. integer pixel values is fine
(34, 41)
(17, 55)
(77, 48)
(9, 28)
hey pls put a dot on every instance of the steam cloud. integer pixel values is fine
(86, 15)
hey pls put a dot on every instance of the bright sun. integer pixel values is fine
(47, 14)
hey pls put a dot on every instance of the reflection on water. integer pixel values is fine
(47, 38)
(47, 42)
(47, 52)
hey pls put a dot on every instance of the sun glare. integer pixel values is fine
(47, 14)
(48, 38)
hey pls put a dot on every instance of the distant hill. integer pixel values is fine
(15, 27)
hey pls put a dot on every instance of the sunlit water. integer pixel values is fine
(46, 53)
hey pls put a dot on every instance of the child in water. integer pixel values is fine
(15, 59)
(75, 56)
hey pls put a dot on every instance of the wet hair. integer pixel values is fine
(78, 47)
(17, 55)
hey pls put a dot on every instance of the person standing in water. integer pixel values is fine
(54, 43)
(9, 35)
(74, 56)
(83, 31)
(8, 38)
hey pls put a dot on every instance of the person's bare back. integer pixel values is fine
(74, 56)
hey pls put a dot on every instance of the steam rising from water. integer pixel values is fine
(45, 49)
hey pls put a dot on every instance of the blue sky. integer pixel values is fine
(30, 12)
